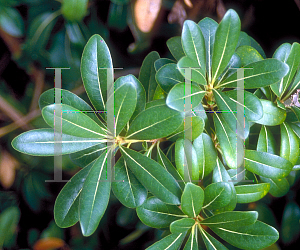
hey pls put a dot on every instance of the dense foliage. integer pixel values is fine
(177, 166)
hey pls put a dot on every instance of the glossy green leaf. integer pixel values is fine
(228, 141)
(260, 74)
(186, 160)
(289, 144)
(74, 10)
(163, 160)
(155, 122)
(162, 62)
(278, 187)
(208, 27)
(124, 101)
(192, 200)
(192, 242)
(175, 47)
(217, 195)
(295, 128)
(226, 39)
(257, 46)
(290, 229)
(153, 176)
(191, 71)
(84, 157)
(233, 218)
(196, 128)
(94, 196)
(206, 154)
(267, 165)
(68, 98)
(155, 213)
(252, 106)
(221, 175)
(193, 44)
(252, 192)
(170, 242)
(266, 141)
(248, 55)
(42, 142)
(66, 212)
(176, 98)
(181, 225)
(210, 242)
(168, 76)
(141, 94)
(256, 236)
(96, 71)
(129, 191)
(147, 74)
(294, 85)
(244, 40)
(73, 122)
(229, 112)
(11, 21)
(9, 219)
(272, 115)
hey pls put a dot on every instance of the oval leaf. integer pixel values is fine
(192, 200)
(289, 144)
(252, 192)
(217, 195)
(181, 225)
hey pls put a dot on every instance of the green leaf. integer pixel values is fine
(153, 176)
(9, 219)
(193, 44)
(192, 200)
(260, 74)
(73, 122)
(196, 128)
(267, 165)
(221, 175)
(147, 74)
(210, 242)
(208, 27)
(94, 196)
(233, 218)
(181, 225)
(229, 112)
(256, 236)
(124, 101)
(68, 98)
(129, 191)
(266, 141)
(163, 160)
(256, 46)
(272, 115)
(176, 98)
(248, 54)
(290, 230)
(168, 76)
(86, 156)
(42, 142)
(186, 160)
(289, 144)
(252, 192)
(155, 213)
(74, 10)
(175, 47)
(141, 94)
(228, 141)
(162, 62)
(244, 40)
(278, 187)
(66, 212)
(206, 154)
(217, 195)
(226, 39)
(155, 122)
(96, 71)
(252, 106)
(192, 242)
(196, 74)
(11, 21)
(170, 242)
